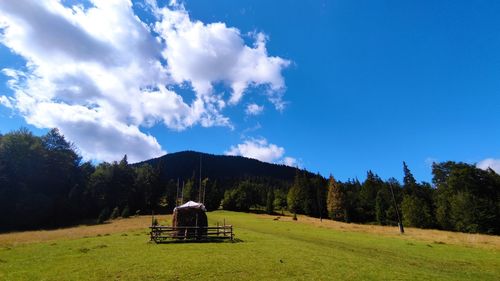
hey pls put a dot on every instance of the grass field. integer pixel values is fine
(265, 250)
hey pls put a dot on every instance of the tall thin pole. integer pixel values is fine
(177, 194)
(319, 207)
(400, 224)
(182, 193)
(204, 189)
(199, 191)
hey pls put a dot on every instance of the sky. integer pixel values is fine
(335, 87)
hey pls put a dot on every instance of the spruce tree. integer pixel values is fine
(368, 196)
(417, 201)
(293, 199)
(270, 201)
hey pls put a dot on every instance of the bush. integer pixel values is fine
(103, 216)
(126, 212)
(115, 214)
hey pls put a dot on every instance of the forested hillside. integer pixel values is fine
(45, 183)
(185, 164)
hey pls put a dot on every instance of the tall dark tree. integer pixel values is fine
(409, 182)
(417, 205)
(383, 203)
(212, 194)
(280, 200)
(368, 195)
(270, 201)
(147, 189)
(318, 193)
(296, 195)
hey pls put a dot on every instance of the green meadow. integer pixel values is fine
(264, 249)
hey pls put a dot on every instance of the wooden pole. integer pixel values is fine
(177, 195)
(199, 191)
(182, 193)
(152, 220)
(204, 189)
(196, 229)
(400, 223)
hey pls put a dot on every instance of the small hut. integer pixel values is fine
(190, 220)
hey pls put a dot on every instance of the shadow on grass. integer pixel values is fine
(183, 241)
(87, 222)
(263, 212)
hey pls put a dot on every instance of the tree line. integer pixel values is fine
(461, 198)
(45, 183)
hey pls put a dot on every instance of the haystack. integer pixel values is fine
(190, 214)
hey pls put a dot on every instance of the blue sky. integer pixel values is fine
(342, 86)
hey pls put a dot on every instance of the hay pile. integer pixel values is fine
(191, 214)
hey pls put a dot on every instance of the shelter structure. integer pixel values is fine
(190, 220)
(190, 223)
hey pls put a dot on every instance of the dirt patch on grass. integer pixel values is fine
(427, 235)
(115, 226)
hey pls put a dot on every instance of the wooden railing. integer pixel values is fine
(161, 234)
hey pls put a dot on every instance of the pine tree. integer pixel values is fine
(270, 201)
(293, 200)
(295, 197)
(417, 202)
(368, 195)
(382, 205)
(409, 182)
(335, 203)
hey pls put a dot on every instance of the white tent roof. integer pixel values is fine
(191, 204)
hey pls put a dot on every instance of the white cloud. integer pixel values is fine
(261, 150)
(494, 164)
(5, 101)
(290, 161)
(254, 109)
(99, 74)
(206, 53)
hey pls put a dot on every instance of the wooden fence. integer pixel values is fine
(161, 234)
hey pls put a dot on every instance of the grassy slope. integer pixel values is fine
(268, 250)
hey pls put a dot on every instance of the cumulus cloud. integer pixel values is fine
(494, 164)
(100, 74)
(261, 150)
(206, 53)
(254, 109)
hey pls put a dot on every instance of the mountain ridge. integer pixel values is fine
(186, 164)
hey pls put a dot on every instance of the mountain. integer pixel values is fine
(186, 164)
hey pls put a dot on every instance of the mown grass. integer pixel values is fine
(265, 250)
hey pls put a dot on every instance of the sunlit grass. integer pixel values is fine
(266, 249)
